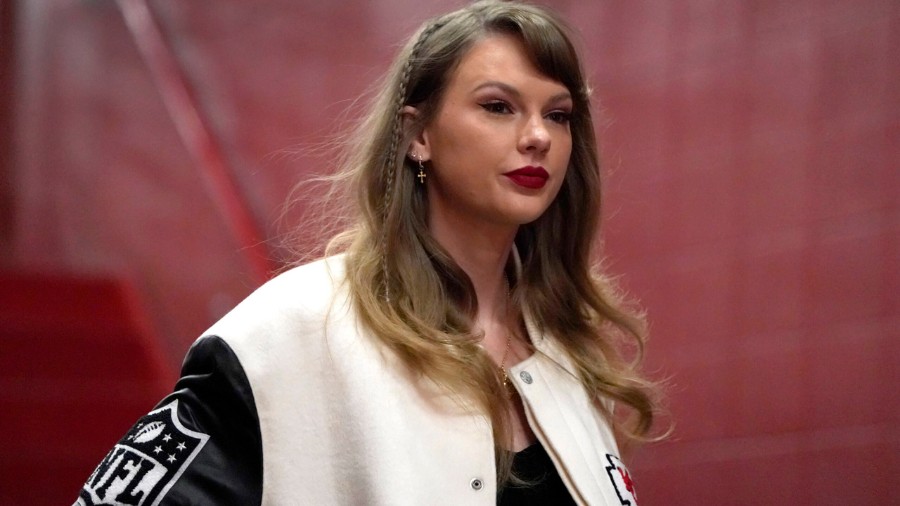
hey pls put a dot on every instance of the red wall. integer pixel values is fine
(752, 196)
(755, 209)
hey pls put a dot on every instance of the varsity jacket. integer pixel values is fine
(288, 399)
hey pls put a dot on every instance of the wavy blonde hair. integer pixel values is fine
(415, 298)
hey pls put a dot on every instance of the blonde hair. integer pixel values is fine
(412, 295)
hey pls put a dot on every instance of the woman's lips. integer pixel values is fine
(529, 177)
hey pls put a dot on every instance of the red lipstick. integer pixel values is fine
(529, 177)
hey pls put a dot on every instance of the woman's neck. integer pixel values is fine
(482, 252)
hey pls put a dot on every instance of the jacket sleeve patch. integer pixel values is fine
(145, 464)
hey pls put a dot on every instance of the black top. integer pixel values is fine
(544, 486)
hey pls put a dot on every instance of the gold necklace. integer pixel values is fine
(503, 371)
(503, 361)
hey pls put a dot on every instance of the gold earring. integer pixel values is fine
(421, 175)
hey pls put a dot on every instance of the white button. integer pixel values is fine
(477, 484)
(526, 377)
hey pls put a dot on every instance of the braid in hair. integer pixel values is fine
(396, 137)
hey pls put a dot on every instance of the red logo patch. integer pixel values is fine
(621, 481)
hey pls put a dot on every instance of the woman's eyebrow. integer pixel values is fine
(564, 95)
(498, 84)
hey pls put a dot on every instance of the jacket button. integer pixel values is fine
(526, 377)
(476, 484)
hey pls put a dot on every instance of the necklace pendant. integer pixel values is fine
(508, 386)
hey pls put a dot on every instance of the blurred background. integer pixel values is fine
(752, 204)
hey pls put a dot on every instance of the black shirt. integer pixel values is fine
(534, 466)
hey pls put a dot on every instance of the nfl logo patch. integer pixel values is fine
(145, 464)
(621, 481)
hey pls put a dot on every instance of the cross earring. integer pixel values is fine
(421, 175)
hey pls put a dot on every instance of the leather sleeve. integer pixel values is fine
(200, 445)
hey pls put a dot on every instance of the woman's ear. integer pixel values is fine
(418, 148)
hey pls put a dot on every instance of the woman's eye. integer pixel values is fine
(496, 107)
(560, 116)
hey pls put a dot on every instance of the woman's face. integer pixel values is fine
(499, 144)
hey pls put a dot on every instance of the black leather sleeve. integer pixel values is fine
(200, 445)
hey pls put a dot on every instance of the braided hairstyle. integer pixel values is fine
(396, 139)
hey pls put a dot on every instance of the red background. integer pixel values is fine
(753, 206)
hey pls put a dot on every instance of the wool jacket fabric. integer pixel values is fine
(289, 399)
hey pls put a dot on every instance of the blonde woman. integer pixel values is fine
(456, 346)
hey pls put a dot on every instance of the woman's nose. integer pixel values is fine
(535, 136)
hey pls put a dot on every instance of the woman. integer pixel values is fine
(457, 349)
